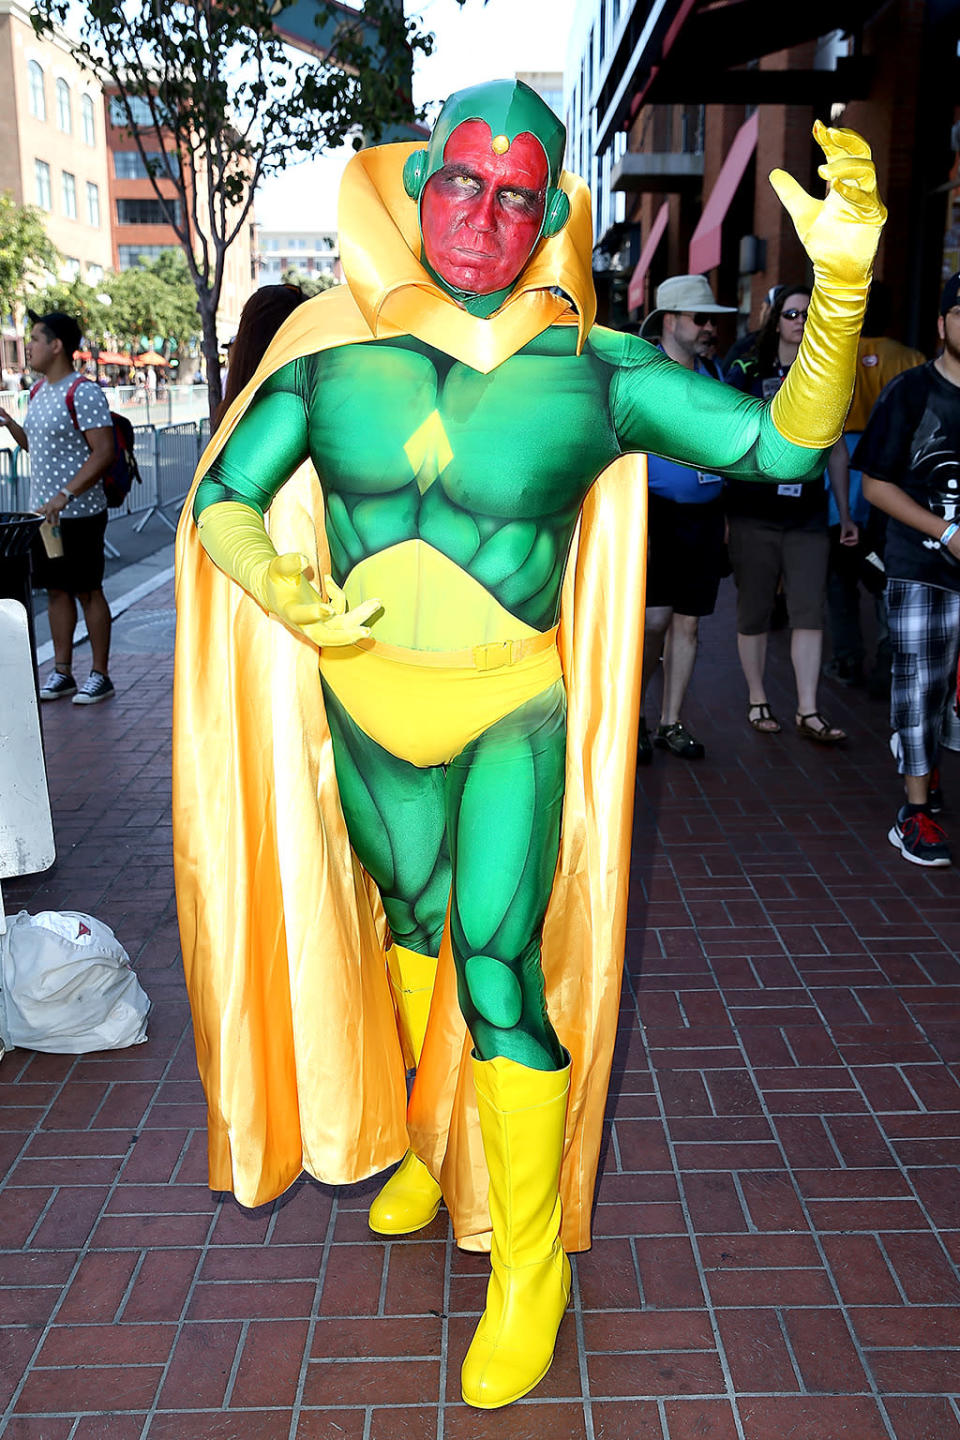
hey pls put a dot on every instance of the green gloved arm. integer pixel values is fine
(268, 444)
(662, 407)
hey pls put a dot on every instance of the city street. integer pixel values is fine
(777, 1237)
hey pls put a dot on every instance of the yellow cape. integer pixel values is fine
(282, 931)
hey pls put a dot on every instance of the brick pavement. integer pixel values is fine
(778, 1227)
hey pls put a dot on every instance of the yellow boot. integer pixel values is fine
(522, 1116)
(411, 1197)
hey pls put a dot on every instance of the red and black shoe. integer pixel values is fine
(919, 838)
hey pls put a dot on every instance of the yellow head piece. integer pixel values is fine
(500, 145)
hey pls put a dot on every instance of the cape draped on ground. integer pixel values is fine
(282, 931)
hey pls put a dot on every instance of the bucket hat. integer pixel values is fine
(683, 293)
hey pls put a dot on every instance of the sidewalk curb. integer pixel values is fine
(119, 602)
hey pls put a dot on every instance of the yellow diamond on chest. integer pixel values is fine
(428, 451)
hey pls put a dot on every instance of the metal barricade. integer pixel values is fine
(171, 404)
(166, 458)
(177, 454)
(15, 488)
(14, 480)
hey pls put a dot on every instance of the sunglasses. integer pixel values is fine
(794, 314)
(699, 317)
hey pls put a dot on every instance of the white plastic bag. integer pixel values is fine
(66, 986)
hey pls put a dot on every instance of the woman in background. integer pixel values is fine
(780, 532)
(260, 319)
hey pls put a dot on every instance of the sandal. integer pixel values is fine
(764, 722)
(827, 734)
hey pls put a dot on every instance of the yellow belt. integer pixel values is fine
(426, 706)
(492, 656)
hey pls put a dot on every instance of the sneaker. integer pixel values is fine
(58, 686)
(644, 748)
(919, 838)
(94, 689)
(679, 742)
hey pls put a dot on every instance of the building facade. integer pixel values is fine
(692, 104)
(313, 253)
(143, 223)
(53, 151)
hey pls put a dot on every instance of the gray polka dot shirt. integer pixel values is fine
(57, 447)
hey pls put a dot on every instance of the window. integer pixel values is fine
(139, 110)
(41, 175)
(129, 164)
(146, 212)
(64, 113)
(88, 121)
(38, 98)
(94, 274)
(71, 268)
(68, 194)
(132, 256)
(93, 204)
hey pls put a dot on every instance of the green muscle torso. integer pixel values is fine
(484, 468)
(489, 470)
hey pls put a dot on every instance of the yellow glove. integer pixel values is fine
(840, 235)
(234, 537)
(841, 232)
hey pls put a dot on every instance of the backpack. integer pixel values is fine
(118, 480)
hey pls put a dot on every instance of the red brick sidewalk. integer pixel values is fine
(778, 1224)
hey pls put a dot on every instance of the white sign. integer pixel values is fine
(26, 829)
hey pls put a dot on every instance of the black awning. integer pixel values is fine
(705, 52)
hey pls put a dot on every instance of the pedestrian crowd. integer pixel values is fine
(884, 525)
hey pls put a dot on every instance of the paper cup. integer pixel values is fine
(52, 540)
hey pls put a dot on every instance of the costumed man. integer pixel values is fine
(454, 789)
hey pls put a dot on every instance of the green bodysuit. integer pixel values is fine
(489, 473)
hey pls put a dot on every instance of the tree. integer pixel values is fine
(77, 298)
(216, 85)
(155, 299)
(310, 284)
(26, 255)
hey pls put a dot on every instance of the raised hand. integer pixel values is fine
(841, 232)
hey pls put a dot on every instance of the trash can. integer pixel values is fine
(16, 538)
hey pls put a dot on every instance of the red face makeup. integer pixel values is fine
(481, 214)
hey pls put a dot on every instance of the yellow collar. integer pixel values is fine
(379, 250)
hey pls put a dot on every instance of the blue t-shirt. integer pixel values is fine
(678, 482)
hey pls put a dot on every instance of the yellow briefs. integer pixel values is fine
(425, 706)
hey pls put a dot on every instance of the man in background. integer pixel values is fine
(71, 446)
(910, 459)
(879, 360)
(685, 524)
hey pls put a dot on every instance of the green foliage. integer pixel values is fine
(218, 85)
(154, 299)
(310, 284)
(77, 298)
(26, 254)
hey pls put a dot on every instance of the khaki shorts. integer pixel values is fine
(761, 554)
